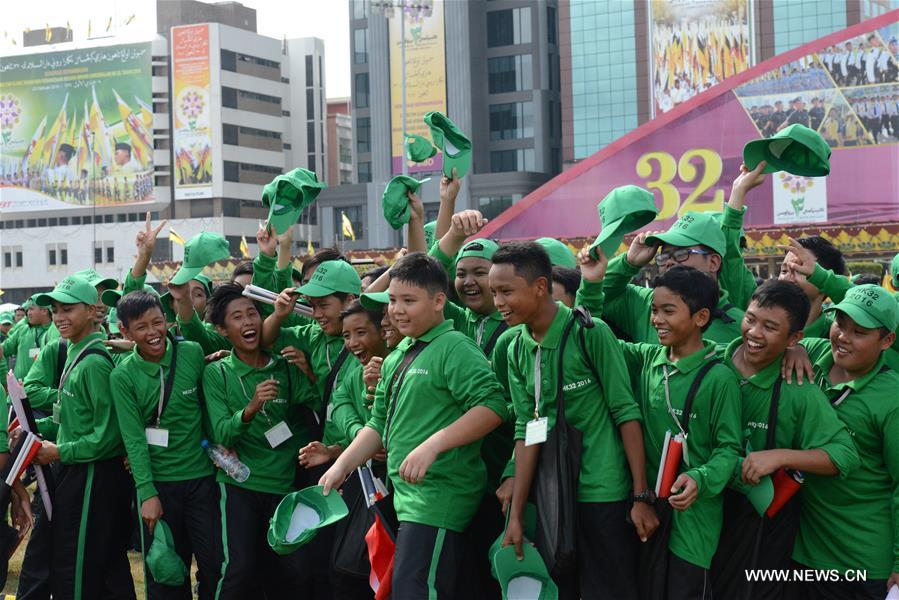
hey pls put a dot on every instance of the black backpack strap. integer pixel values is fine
(560, 394)
(494, 337)
(399, 375)
(61, 354)
(329, 381)
(721, 314)
(772, 414)
(691, 394)
(585, 320)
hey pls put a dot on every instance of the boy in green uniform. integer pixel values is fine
(92, 499)
(791, 429)
(436, 400)
(258, 408)
(853, 523)
(157, 394)
(598, 402)
(25, 343)
(695, 240)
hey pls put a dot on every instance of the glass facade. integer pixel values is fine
(797, 22)
(603, 73)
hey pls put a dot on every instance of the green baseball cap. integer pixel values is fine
(163, 562)
(71, 290)
(430, 232)
(96, 279)
(199, 251)
(526, 578)
(332, 276)
(452, 142)
(419, 148)
(795, 149)
(287, 195)
(28, 303)
(894, 271)
(692, 229)
(300, 515)
(207, 283)
(167, 309)
(559, 254)
(112, 320)
(623, 210)
(478, 248)
(375, 300)
(396, 203)
(7, 318)
(870, 306)
(529, 523)
(111, 297)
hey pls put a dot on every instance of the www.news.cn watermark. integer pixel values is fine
(806, 575)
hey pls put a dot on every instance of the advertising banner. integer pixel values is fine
(425, 81)
(191, 112)
(76, 128)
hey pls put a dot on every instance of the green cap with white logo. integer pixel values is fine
(692, 229)
(71, 290)
(330, 277)
(96, 279)
(870, 306)
(202, 249)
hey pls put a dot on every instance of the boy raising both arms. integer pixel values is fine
(436, 400)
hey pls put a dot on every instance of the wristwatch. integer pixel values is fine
(646, 497)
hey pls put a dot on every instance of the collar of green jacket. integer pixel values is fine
(687, 363)
(553, 336)
(150, 367)
(825, 364)
(429, 336)
(764, 379)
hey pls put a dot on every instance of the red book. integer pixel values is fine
(786, 483)
(669, 465)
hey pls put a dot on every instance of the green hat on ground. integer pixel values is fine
(526, 578)
(419, 148)
(430, 232)
(395, 200)
(7, 318)
(111, 297)
(452, 142)
(559, 254)
(623, 210)
(870, 306)
(894, 271)
(199, 251)
(287, 195)
(300, 515)
(375, 300)
(330, 277)
(71, 290)
(479, 248)
(163, 562)
(796, 149)
(693, 229)
(96, 279)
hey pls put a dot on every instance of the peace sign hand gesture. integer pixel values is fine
(146, 238)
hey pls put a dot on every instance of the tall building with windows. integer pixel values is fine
(502, 88)
(341, 165)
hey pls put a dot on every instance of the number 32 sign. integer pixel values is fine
(659, 169)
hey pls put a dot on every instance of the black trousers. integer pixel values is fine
(426, 562)
(749, 542)
(873, 589)
(662, 574)
(607, 546)
(485, 527)
(34, 577)
(86, 543)
(191, 510)
(251, 569)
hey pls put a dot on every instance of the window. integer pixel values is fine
(360, 46)
(551, 24)
(508, 27)
(361, 90)
(310, 136)
(232, 173)
(57, 255)
(259, 97)
(512, 160)
(264, 62)
(311, 162)
(363, 169)
(511, 121)
(354, 214)
(229, 134)
(12, 257)
(310, 104)
(510, 73)
(359, 9)
(98, 254)
(229, 97)
(229, 60)
(309, 73)
(492, 206)
(363, 135)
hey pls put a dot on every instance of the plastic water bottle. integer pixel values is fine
(232, 467)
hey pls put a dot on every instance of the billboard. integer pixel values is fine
(425, 81)
(690, 156)
(695, 44)
(191, 88)
(76, 128)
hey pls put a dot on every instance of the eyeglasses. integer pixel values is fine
(680, 255)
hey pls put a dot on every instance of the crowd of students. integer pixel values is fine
(465, 375)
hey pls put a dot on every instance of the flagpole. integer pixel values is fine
(90, 185)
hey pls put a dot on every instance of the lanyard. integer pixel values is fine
(39, 338)
(668, 401)
(161, 397)
(68, 369)
(537, 382)
(249, 398)
(480, 335)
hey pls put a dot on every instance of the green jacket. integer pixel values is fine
(25, 344)
(352, 409)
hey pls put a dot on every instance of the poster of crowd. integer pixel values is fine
(76, 128)
(696, 44)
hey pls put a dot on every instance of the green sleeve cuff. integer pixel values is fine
(47, 428)
(733, 218)
(376, 425)
(266, 262)
(631, 414)
(66, 453)
(145, 491)
(819, 277)
(133, 283)
(440, 255)
(237, 424)
(697, 476)
(509, 471)
(354, 430)
(622, 266)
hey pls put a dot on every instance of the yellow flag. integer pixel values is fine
(244, 248)
(347, 226)
(309, 249)
(48, 35)
(173, 236)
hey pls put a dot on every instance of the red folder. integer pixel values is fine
(669, 465)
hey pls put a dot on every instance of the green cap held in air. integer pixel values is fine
(287, 195)
(795, 149)
(199, 251)
(623, 210)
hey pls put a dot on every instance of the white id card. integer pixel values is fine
(32, 353)
(157, 437)
(278, 434)
(535, 432)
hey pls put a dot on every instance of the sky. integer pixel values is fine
(135, 20)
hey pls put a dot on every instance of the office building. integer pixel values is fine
(341, 165)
